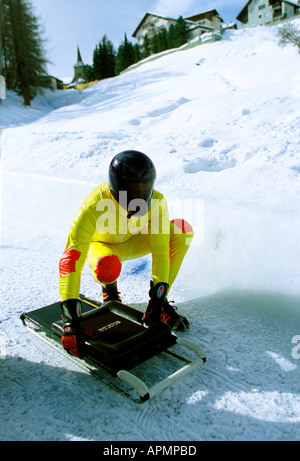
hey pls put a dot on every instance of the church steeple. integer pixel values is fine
(79, 58)
(79, 68)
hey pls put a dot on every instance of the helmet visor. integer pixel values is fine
(142, 190)
(137, 196)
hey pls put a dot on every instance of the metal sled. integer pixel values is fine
(116, 342)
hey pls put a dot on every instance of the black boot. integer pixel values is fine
(159, 309)
(172, 318)
(157, 294)
(110, 292)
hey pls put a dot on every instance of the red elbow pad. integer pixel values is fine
(67, 263)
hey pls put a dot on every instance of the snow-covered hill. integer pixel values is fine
(221, 122)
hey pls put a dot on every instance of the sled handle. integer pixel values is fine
(141, 388)
(199, 351)
(136, 383)
(160, 386)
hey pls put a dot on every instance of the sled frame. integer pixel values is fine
(105, 374)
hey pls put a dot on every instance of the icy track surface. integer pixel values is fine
(222, 124)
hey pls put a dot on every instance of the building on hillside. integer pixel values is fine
(261, 12)
(209, 18)
(79, 69)
(150, 25)
(198, 24)
(54, 83)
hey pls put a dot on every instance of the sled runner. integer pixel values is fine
(116, 341)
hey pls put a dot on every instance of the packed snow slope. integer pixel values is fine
(222, 123)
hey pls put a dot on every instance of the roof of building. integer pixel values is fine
(144, 19)
(198, 17)
(191, 19)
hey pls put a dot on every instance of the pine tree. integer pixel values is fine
(154, 44)
(96, 62)
(181, 31)
(111, 60)
(146, 47)
(163, 43)
(159, 41)
(126, 56)
(178, 33)
(172, 36)
(137, 53)
(104, 59)
(89, 74)
(1, 33)
(23, 61)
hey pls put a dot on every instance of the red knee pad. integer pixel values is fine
(108, 268)
(183, 225)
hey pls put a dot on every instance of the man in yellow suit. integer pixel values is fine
(123, 219)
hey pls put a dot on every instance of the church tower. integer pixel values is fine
(78, 68)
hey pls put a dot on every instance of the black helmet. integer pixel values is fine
(132, 172)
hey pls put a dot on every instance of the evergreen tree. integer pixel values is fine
(111, 60)
(178, 33)
(163, 42)
(96, 62)
(126, 56)
(23, 61)
(154, 44)
(8, 55)
(137, 53)
(159, 41)
(172, 36)
(181, 31)
(146, 50)
(1, 33)
(89, 74)
(104, 59)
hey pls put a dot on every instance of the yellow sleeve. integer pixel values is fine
(74, 256)
(159, 234)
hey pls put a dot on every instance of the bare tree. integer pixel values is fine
(289, 34)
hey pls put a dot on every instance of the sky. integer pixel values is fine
(66, 24)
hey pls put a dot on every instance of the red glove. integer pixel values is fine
(72, 339)
(69, 343)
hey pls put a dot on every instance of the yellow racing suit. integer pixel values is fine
(102, 228)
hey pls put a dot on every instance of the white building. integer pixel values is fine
(260, 12)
